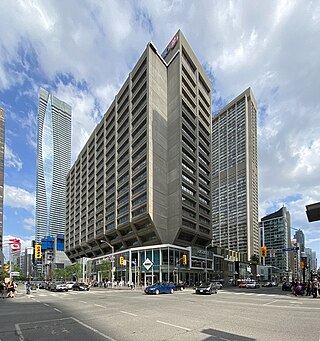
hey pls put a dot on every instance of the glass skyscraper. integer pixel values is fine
(1, 174)
(53, 164)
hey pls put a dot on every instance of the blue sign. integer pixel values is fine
(291, 249)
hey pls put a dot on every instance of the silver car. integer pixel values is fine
(58, 286)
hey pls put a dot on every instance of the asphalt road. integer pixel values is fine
(124, 315)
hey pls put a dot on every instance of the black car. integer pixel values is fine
(42, 285)
(286, 286)
(178, 286)
(206, 288)
(80, 287)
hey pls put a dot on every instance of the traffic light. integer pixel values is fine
(121, 260)
(263, 251)
(37, 251)
(5, 267)
(184, 259)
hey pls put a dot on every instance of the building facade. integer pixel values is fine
(53, 164)
(143, 178)
(299, 237)
(235, 223)
(1, 175)
(274, 235)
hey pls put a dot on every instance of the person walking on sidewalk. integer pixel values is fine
(3, 289)
(315, 287)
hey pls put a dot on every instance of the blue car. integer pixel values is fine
(159, 288)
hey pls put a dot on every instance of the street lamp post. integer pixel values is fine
(112, 260)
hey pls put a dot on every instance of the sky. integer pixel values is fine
(82, 52)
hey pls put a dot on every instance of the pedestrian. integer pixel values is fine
(309, 285)
(131, 285)
(11, 290)
(28, 288)
(2, 289)
(315, 287)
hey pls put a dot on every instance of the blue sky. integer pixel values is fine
(83, 51)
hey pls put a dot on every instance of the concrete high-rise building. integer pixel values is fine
(235, 223)
(53, 164)
(143, 178)
(274, 235)
(299, 237)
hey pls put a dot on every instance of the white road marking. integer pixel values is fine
(83, 302)
(48, 305)
(18, 330)
(57, 310)
(173, 325)
(271, 302)
(125, 312)
(101, 306)
(94, 330)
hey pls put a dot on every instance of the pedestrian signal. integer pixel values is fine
(184, 259)
(5, 267)
(121, 260)
(263, 251)
(37, 251)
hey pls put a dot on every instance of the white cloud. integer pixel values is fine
(29, 224)
(18, 198)
(11, 159)
(270, 46)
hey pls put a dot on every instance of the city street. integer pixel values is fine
(124, 315)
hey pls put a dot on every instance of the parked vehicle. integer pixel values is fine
(217, 284)
(252, 285)
(206, 288)
(243, 285)
(58, 286)
(80, 287)
(70, 285)
(42, 285)
(160, 288)
(267, 284)
(178, 286)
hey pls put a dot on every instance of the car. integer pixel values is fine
(286, 286)
(80, 287)
(243, 285)
(42, 285)
(178, 286)
(252, 285)
(160, 288)
(58, 286)
(217, 284)
(274, 284)
(206, 288)
(267, 284)
(70, 285)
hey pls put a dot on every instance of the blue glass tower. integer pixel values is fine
(53, 164)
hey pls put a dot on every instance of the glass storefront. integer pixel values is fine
(160, 263)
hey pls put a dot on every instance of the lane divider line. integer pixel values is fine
(173, 325)
(125, 312)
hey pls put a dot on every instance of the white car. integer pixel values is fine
(70, 285)
(252, 285)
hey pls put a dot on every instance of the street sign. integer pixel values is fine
(15, 273)
(147, 264)
(291, 249)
